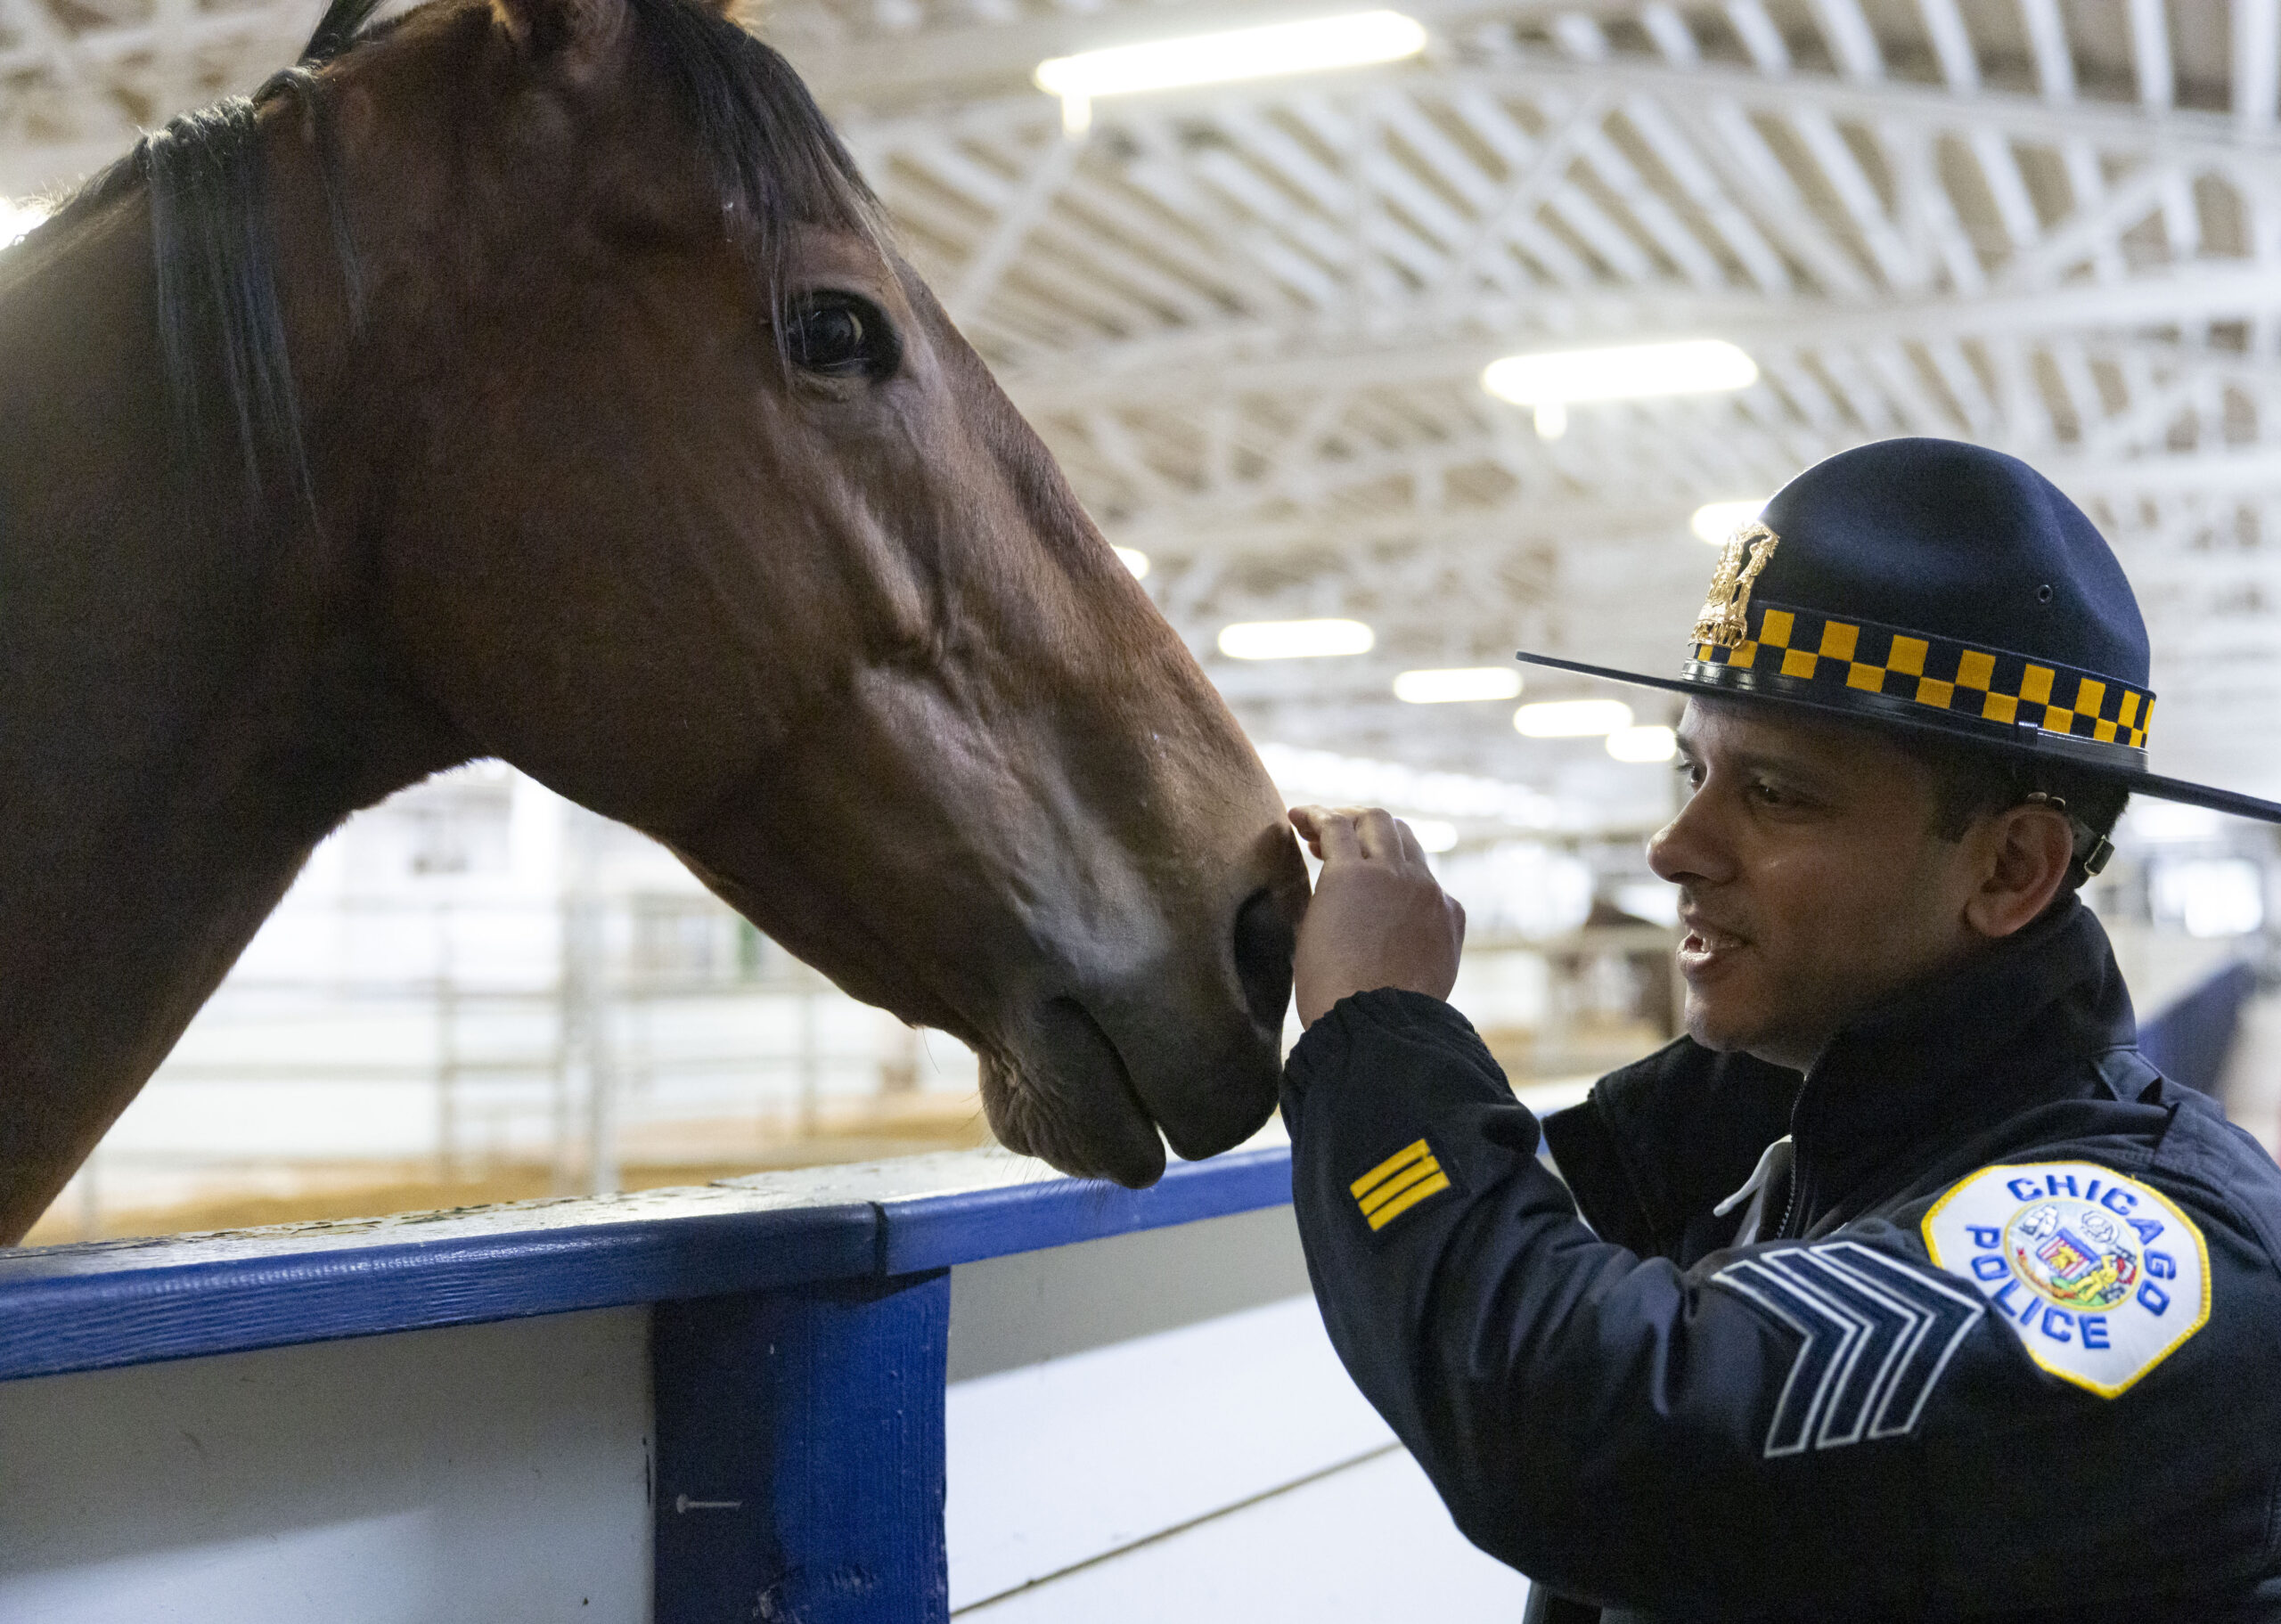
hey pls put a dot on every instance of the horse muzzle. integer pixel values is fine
(1186, 1051)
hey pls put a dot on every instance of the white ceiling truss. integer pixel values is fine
(1251, 319)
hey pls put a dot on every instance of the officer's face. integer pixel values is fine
(1811, 884)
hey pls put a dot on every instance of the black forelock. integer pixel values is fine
(341, 27)
(774, 155)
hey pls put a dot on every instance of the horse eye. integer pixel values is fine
(841, 335)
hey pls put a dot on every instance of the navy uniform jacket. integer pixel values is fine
(2010, 1349)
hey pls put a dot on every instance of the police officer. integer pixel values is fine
(1911, 1290)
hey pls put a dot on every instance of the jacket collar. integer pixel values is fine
(1660, 1141)
(2009, 1028)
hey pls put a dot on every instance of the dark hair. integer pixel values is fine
(1972, 781)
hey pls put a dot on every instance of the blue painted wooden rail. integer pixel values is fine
(797, 1340)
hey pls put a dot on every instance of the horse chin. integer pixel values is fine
(1080, 1112)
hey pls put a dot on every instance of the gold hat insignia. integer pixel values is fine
(1725, 620)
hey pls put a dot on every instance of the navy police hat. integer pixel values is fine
(1943, 588)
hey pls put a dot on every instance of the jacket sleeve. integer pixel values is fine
(1715, 1439)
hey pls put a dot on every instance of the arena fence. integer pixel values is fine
(791, 1337)
(2193, 1037)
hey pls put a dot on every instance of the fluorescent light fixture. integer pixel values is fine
(1133, 559)
(1572, 718)
(1354, 40)
(1552, 419)
(1293, 640)
(17, 219)
(1629, 371)
(1715, 521)
(2220, 896)
(1432, 833)
(1643, 744)
(1458, 684)
(2168, 822)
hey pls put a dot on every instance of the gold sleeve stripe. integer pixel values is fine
(1398, 1184)
(1409, 1198)
(1388, 1169)
(1416, 1172)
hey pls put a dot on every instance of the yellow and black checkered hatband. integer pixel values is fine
(1860, 665)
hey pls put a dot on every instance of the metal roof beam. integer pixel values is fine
(886, 66)
(1250, 356)
(2184, 136)
(1189, 527)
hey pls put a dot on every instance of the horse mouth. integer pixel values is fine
(1082, 1113)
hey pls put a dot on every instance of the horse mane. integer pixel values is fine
(221, 325)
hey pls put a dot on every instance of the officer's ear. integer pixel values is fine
(2022, 855)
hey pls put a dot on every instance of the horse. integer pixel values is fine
(537, 379)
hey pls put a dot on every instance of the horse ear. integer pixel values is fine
(548, 28)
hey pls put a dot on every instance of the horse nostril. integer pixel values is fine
(1264, 933)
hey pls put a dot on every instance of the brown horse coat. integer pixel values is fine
(537, 382)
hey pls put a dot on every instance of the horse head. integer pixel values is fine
(687, 498)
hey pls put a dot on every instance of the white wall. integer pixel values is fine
(1216, 1468)
(495, 1475)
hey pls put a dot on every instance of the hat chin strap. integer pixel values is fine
(2090, 849)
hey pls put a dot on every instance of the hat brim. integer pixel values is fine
(2137, 779)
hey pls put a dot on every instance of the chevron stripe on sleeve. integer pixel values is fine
(1875, 1337)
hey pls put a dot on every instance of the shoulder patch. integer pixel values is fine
(2103, 1277)
(1410, 1175)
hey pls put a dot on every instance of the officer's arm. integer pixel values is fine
(1586, 1413)
(1631, 1432)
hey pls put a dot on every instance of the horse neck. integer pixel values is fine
(185, 708)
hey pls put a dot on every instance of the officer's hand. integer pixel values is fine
(1378, 919)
